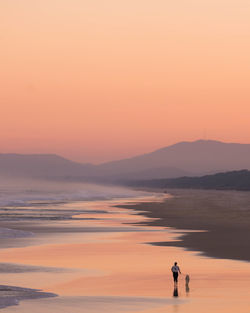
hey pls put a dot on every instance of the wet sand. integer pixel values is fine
(10, 295)
(107, 265)
(223, 216)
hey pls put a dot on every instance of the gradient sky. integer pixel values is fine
(97, 80)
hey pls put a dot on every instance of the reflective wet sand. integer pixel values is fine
(109, 265)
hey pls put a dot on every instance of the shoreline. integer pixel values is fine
(12, 295)
(123, 266)
(223, 217)
(33, 226)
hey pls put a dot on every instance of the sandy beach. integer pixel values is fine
(222, 216)
(101, 258)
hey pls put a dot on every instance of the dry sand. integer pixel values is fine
(224, 215)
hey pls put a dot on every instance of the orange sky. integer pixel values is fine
(97, 80)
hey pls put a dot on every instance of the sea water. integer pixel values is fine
(97, 257)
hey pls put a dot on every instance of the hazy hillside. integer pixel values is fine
(162, 172)
(198, 157)
(41, 165)
(182, 159)
(235, 180)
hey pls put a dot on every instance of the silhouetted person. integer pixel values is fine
(175, 293)
(175, 270)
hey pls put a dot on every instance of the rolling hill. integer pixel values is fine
(41, 166)
(234, 180)
(198, 157)
(182, 159)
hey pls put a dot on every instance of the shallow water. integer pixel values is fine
(100, 262)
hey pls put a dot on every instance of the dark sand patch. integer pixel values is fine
(225, 215)
(38, 214)
(19, 268)
(10, 295)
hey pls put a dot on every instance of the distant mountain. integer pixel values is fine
(41, 165)
(198, 157)
(234, 180)
(162, 172)
(182, 159)
(54, 166)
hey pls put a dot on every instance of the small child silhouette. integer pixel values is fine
(187, 279)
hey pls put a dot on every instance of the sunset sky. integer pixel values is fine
(96, 80)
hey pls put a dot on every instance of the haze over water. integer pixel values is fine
(102, 261)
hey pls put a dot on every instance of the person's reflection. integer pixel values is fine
(175, 293)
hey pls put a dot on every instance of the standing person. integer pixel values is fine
(175, 270)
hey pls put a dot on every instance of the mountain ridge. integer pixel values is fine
(231, 180)
(186, 158)
(201, 156)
